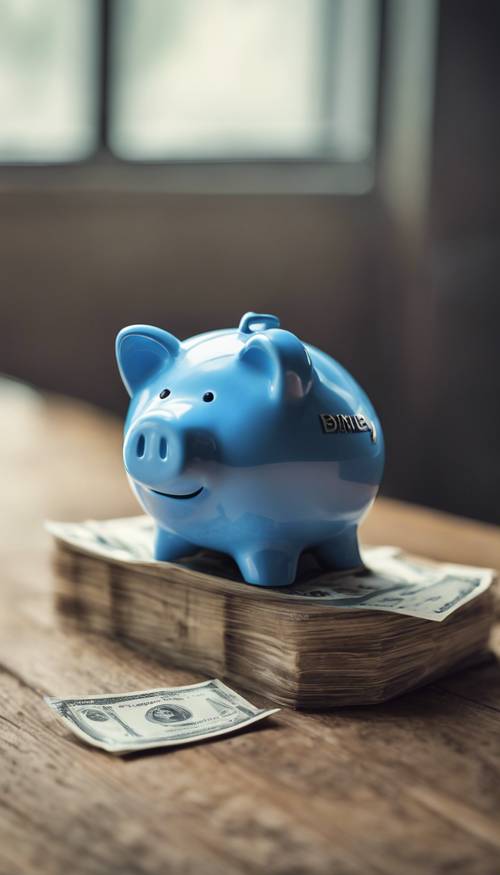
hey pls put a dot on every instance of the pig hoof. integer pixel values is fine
(169, 547)
(268, 567)
(340, 552)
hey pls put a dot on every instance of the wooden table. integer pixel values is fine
(412, 786)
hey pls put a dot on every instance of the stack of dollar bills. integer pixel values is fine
(330, 638)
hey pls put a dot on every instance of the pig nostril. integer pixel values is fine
(141, 446)
(163, 448)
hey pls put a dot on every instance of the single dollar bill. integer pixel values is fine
(391, 581)
(400, 584)
(127, 722)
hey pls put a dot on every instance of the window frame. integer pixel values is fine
(102, 169)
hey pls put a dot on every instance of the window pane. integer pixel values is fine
(201, 79)
(47, 79)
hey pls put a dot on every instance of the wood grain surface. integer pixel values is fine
(412, 786)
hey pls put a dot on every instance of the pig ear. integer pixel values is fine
(283, 360)
(141, 351)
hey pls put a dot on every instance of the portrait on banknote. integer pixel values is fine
(94, 714)
(168, 714)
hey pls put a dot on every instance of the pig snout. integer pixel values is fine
(153, 451)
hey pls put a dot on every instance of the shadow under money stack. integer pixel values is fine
(328, 640)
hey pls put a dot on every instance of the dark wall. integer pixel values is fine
(77, 267)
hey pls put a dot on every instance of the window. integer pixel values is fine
(243, 79)
(255, 82)
(48, 91)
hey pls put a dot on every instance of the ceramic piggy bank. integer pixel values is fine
(249, 442)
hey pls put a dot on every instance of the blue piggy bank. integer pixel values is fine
(249, 442)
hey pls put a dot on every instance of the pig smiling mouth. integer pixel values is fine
(171, 495)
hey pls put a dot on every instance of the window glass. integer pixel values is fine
(48, 87)
(243, 79)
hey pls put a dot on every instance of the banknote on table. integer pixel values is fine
(123, 723)
(391, 581)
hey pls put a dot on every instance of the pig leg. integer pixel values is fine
(268, 566)
(341, 551)
(169, 547)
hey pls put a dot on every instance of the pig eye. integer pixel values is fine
(164, 393)
(208, 396)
